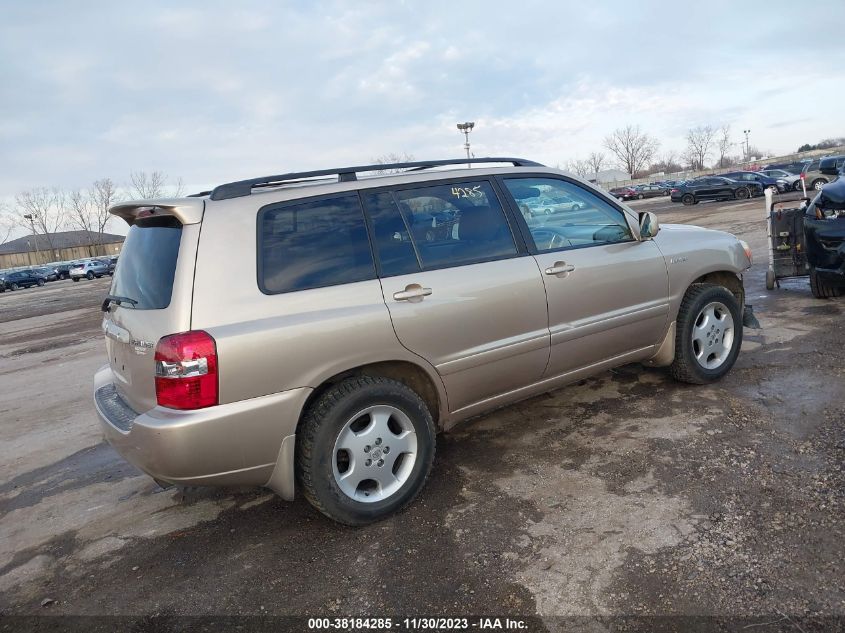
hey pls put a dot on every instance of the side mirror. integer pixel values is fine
(649, 225)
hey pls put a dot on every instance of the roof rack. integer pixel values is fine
(242, 188)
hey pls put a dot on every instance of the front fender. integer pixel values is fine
(693, 252)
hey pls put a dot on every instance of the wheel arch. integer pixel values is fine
(410, 374)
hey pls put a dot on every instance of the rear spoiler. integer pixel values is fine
(186, 210)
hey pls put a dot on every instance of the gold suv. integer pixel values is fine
(316, 330)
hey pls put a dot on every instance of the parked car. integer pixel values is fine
(714, 188)
(824, 234)
(23, 279)
(63, 270)
(626, 193)
(793, 181)
(549, 205)
(780, 185)
(89, 268)
(319, 352)
(826, 171)
(652, 191)
(49, 274)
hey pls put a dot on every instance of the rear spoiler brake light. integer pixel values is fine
(186, 210)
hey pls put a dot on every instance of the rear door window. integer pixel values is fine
(148, 263)
(456, 224)
(312, 244)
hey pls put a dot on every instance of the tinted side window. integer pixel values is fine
(586, 221)
(392, 240)
(456, 224)
(312, 245)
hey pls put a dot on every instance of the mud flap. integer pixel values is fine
(749, 320)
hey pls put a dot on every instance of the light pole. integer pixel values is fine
(466, 128)
(747, 145)
(31, 217)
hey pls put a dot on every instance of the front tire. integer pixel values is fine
(708, 334)
(820, 289)
(40, 282)
(89, 275)
(797, 185)
(76, 278)
(14, 286)
(364, 449)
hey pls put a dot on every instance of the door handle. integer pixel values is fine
(560, 269)
(414, 293)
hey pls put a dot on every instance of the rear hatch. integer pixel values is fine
(152, 289)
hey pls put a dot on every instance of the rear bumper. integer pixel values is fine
(238, 443)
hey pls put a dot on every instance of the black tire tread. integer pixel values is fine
(306, 437)
(820, 289)
(681, 369)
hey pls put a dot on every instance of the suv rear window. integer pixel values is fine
(313, 245)
(148, 263)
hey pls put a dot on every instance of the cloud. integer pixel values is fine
(211, 93)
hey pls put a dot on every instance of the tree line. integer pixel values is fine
(44, 211)
(636, 152)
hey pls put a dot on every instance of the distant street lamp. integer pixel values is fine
(747, 145)
(466, 128)
(31, 217)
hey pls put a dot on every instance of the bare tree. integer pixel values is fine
(699, 140)
(145, 185)
(389, 159)
(724, 144)
(7, 224)
(579, 167)
(43, 211)
(104, 194)
(596, 160)
(633, 147)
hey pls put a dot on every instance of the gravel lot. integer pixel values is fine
(626, 494)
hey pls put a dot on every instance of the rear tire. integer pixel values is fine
(818, 183)
(742, 193)
(821, 289)
(770, 280)
(688, 199)
(76, 278)
(640, 197)
(708, 314)
(328, 474)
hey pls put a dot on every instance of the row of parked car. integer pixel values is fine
(39, 275)
(782, 177)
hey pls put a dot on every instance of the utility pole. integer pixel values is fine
(466, 128)
(31, 217)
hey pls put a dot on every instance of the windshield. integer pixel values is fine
(147, 263)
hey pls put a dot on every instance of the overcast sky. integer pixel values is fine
(216, 91)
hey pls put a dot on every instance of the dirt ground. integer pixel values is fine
(626, 494)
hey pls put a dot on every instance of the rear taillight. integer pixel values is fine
(186, 371)
(673, 191)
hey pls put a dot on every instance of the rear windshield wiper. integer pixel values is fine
(118, 300)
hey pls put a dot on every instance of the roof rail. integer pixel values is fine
(242, 188)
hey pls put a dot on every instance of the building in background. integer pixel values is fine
(32, 250)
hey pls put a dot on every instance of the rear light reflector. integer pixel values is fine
(186, 371)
